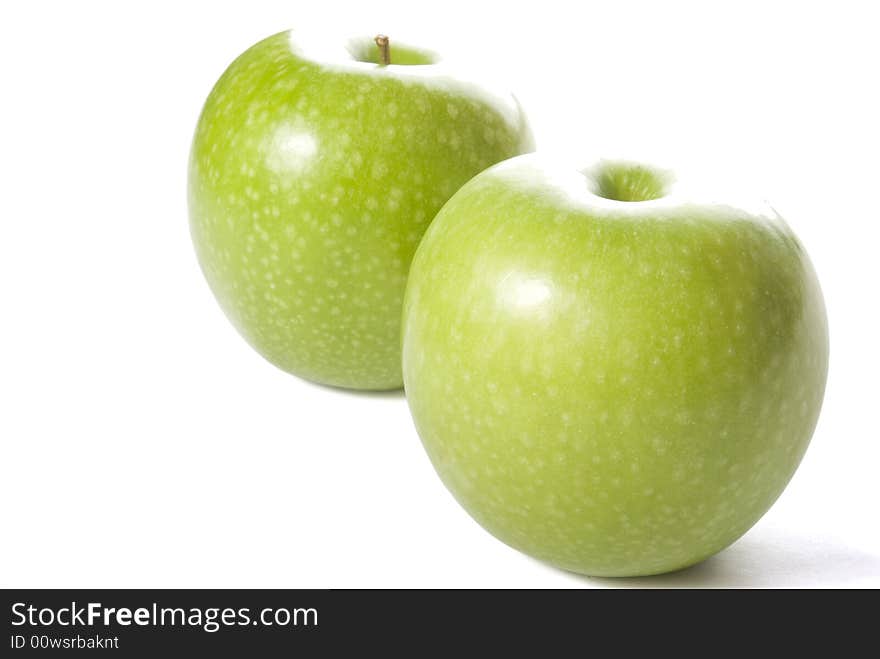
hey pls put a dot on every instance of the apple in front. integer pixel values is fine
(315, 169)
(612, 372)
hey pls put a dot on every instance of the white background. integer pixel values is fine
(143, 443)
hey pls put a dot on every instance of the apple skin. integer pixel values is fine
(619, 388)
(312, 178)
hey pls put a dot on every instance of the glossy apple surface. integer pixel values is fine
(313, 174)
(609, 371)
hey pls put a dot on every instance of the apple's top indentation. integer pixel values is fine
(623, 180)
(370, 50)
(363, 52)
(636, 188)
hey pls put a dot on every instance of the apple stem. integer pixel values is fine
(384, 49)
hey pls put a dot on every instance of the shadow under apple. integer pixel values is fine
(767, 560)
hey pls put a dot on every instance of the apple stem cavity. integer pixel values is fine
(384, 49)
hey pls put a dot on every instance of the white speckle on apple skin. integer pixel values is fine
(686, 392)
(304, 173)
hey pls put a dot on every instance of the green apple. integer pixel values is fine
(315, 170)
(612, 371)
